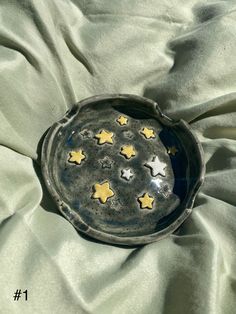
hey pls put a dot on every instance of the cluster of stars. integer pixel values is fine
(103, 191)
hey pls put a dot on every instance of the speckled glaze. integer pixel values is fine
(124, 216)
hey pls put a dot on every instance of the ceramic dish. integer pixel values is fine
(120, 170)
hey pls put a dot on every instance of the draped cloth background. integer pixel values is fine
(54, 53)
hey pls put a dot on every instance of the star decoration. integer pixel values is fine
(76, 157)
(128, 151)
(104, 137)
(128, 134)
(148, 133)
(146, 201)
(156, 166)
(102, 191)
(106, 162)
(116, 203)
(165, 190)
(122, 120)
(86, 133)
(172, 150)
(126, 174)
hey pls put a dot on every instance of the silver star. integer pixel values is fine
(106, 162)
(86, 133)
(156, 166)
(126, 174)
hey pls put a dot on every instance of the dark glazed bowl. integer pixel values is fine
(120, 170)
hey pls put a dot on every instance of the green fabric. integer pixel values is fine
(54, 53)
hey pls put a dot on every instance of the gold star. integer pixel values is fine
(76, 157)
(128, 151)
(102, 191)
(104, 137)
(122, 120)
(172, 150)
(146, 201)
(148, 133)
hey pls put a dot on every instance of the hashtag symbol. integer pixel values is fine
(17, 295)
